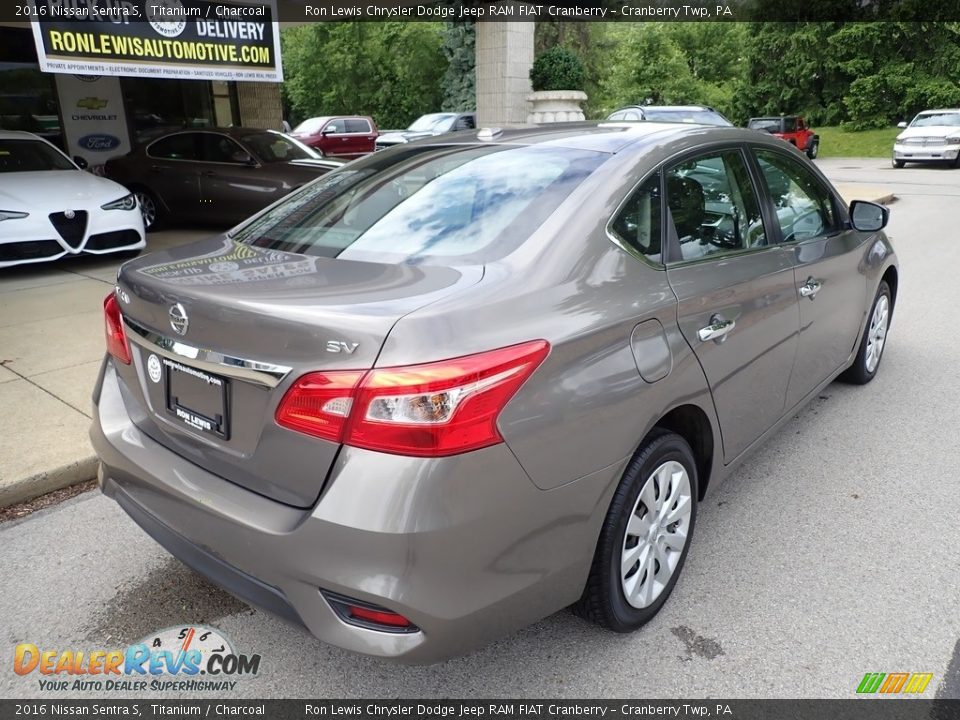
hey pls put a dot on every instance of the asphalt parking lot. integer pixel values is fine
(832, 552)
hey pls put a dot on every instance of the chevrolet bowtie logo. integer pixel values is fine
(92, 103)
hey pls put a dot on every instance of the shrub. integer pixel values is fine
(557, 69)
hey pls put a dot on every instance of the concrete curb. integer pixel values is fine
(28, 488)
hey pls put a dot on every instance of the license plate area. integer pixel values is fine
(198, 399)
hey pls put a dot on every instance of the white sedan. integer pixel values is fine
(932, 136)
(50, 208)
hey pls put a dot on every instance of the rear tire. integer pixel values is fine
(645, 536)
(814, 149)
(874, 340)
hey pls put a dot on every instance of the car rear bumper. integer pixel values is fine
(920, 154)
(465, 547)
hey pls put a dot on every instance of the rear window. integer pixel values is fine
(357, 125)
(451, 204)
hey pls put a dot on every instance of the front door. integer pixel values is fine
(737, 301)
(173, 173)
(232, 183)
(832, 291)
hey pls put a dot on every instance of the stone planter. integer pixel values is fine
(554, 106)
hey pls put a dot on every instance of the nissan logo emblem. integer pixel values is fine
(178, 319)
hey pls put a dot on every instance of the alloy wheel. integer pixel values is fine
(656, 534)
(877, 332)
(148, 208)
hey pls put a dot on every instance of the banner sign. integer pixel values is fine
(185, 39)
(94, 121)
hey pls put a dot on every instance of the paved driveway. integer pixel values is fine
(832, 552)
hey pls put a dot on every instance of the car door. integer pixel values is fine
(173, 173)
(824, 253)
(737, 304)
(335, 141)
(231, 180)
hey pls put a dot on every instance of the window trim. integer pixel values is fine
(839, 209)
(204, 162)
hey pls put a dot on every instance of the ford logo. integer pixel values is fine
(99, 143)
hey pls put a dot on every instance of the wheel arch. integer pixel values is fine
(892, 279)
(692, 424)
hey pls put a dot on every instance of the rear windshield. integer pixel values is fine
(702, 117)
(460, 204)
(771, 125)
(31, 156)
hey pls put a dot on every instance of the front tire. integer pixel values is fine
(897, 163)
(149, 209)
(814, 149)
(874, 339)
(645, 536)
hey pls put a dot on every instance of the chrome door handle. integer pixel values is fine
(810, 288)
(716, 330)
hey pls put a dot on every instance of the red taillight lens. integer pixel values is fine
(430, 410)
(319, 404)
(113, 326)
(379, 617)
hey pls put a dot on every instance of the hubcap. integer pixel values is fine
(657, 532)
(147, 209)
(877, 332)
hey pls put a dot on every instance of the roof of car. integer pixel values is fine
(944, 110)
(678, 108)
(603, 136)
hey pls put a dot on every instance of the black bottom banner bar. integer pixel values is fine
(900, 708)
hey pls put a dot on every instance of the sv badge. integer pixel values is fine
(339, 346)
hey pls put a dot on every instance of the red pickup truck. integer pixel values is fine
(791, 128)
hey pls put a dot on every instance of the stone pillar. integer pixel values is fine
(504, 58)
(260, 105)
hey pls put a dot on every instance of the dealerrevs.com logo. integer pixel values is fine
(187, 659)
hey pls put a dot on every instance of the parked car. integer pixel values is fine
(50, 208)
(220, 175)
(932, 136)
(454, 388)
(428, 125)
(791, 128)
(338, 136)
(670, 113)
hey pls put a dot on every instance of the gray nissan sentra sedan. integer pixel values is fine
(456, 386)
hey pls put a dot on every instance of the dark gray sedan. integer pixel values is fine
(460, 384)
(215, 175)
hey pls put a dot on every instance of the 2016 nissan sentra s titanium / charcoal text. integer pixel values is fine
(457, 385)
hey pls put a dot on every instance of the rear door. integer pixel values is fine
(361, 136)
(824, 253)
(173, 172)
(737, 301)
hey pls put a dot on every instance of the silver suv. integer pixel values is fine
(458, 385)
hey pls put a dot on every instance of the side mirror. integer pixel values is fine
(328, 131)
(80, 162)
(243, 158)
(867, 216)
(902, 125)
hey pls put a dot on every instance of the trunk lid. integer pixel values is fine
(252, 321)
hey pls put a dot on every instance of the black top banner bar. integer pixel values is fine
(308, 11)
(537, 709)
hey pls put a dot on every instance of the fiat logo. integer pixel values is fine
(178, 319)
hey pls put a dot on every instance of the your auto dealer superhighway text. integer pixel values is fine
(511, 709)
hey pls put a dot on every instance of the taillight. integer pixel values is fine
(430, 410)
(113, 326)
(319, 404)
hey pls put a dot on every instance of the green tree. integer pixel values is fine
(390, 70)
(460, 78)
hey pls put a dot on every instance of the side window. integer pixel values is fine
(804, 206)
(789, 125)
(334, 126)
(713, 205)
(219, 148)
(182, 146)
(357, 125)
(638, 222)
